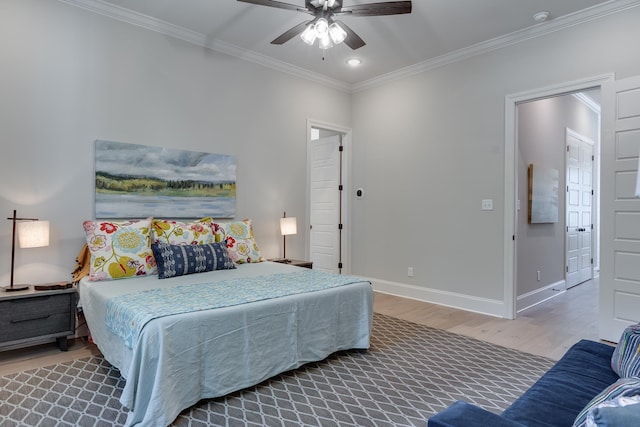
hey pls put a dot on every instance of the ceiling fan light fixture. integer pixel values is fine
(309, 35)
(337, 33)
(325, 42)
(330, 3)
(322, 27)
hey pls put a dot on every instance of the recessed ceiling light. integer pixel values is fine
(354, 62)
(541, 16)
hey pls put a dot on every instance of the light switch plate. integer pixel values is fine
(487, 205)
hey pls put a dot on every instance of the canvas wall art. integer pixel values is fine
(543, 194)
(138, 181)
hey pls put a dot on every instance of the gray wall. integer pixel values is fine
(541, 141)
(70, 77)
(429, 148)
(426, 149)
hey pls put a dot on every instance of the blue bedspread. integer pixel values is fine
(126, 315)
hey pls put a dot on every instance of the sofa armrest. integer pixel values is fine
(463, 414)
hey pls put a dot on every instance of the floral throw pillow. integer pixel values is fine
(119, 249)
(169, 232)
(241, 243)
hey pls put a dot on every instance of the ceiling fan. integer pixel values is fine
(324, 27)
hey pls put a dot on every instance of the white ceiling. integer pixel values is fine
(436, 31)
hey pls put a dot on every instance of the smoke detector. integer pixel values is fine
(541, 16)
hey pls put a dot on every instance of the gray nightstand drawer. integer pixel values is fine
(40, 325)
(17, 309)
(28, 317)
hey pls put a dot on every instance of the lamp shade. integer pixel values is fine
(33, 234)
(288, 225)
(337, 33)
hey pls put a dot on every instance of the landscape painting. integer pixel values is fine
(543, 194)
(139, 181)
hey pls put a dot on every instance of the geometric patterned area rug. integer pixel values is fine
(410, 372)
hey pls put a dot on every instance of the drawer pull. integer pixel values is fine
(29, 320)
(29, 300)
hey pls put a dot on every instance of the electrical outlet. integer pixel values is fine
(538, 275)
(410, 272)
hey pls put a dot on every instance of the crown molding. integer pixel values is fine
(588, 102)
(138, 19)
(538, 30)
(153, 24)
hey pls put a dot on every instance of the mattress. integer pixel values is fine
(179, 359)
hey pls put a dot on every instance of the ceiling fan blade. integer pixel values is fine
(288, 35)
(277, 4)
(377, 9)
(353, 40)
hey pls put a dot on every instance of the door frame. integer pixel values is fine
(346, 192)
(510, 172)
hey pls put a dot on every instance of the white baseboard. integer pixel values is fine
(449, 299)
(538, 296)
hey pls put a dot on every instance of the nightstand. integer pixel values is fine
(294, 262)
(31, 317)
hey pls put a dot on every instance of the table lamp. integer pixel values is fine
(287, 227)
(32, 233)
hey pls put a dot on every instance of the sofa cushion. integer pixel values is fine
(626, 358)
(561, 393)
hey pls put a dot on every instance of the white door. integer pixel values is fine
(620, 229)
(579, 201)
(324, 198)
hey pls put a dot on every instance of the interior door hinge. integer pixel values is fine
(591, 260)
(340, 187)
(341, 148)
(513, 237)
(567, 268)
(339, 226)
(339, 265)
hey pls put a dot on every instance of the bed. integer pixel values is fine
(171, 360)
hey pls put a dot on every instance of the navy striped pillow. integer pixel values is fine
(178, 260)
(625, 360)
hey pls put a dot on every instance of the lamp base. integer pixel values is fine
(15, 288)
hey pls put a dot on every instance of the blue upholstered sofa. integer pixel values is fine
(555, 399)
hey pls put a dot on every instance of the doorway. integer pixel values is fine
(531, 275)
(328, 151)
(554, 253)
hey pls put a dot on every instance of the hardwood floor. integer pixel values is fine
(547, 329)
